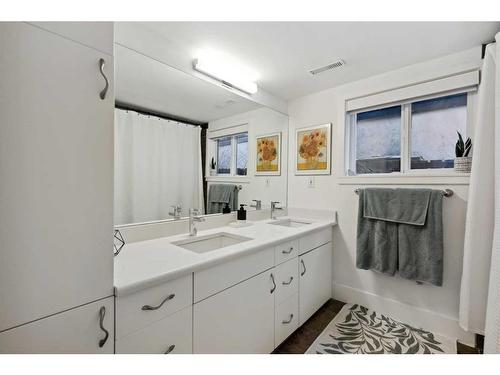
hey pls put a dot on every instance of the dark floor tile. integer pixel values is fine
(299, 341)
(464, 349)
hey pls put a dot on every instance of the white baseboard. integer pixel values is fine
(415, 316)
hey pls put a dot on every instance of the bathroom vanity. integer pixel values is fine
(227, 290)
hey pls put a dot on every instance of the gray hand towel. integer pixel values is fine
(420, 248)
(407, 206)
(377, 242)
(219, 195)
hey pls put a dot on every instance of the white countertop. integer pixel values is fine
(147, 263)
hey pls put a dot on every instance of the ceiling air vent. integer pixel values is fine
(333, 65)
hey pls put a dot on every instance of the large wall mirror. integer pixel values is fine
(182, 142)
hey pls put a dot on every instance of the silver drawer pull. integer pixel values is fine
(288, 282)
(287, 251)
(148, 307)
(274, 284)
(102, 314)
(170, 348)
(287, 321)
(104, 91)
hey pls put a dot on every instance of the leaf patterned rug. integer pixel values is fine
(358, 330)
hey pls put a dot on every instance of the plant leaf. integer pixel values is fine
(468, 147)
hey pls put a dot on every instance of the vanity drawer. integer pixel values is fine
(222, 276)
(172, 334)
(286, 251)
(286, 319)
(314, 240)
(286, 276)
(137, 310)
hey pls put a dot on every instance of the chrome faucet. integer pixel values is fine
(194, 217)
(177, 212)
(274, 208)
(257, 205)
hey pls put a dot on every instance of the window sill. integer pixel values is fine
(413, 178)
(238, 179)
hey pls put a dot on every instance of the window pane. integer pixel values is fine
(435, 123)
(224, 155)
(378, 141)
(241, 154)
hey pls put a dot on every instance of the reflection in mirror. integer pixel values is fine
(158, 167)
(182, 142)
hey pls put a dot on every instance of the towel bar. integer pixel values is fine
(446, 192)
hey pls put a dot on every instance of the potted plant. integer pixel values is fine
(463, 162)
(213, 164)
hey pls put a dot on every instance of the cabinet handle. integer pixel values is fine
(303, 265)
(102, 313)
(287, 321)
(274, 284)
(287, 251)
(170, 348)
(288, 282)
(102, 94)
(148, 307)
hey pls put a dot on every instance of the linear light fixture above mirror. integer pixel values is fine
(224, 69)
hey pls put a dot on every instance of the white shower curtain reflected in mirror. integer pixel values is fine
(157, 165)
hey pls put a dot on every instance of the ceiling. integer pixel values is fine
(149, 84)
(283, 52)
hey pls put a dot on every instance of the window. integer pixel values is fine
(232, 155)
(434, 126)
(241, 154)
(378, 141)
(224, 157)
(411, 136)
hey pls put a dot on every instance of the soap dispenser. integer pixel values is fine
(242, 213)
(226, 209)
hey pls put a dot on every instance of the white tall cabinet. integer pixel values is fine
(56, 190)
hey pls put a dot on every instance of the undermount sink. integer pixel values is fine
(294, 223)
(210, 242)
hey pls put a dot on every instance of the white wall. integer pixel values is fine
(431, 307)
(260, 122)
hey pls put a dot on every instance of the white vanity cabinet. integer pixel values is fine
(85, 330)
(286, 299)
(237, 320)
(315, 280)
(170, 335)
(56, 168)
(245, 304)
(237, 313)
(157, 319)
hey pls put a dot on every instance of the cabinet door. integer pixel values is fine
(56, 168)
(74, 331)
(98, 35)
(171, 335)
(315, 280)
(237, 320)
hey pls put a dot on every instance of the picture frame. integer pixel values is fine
(313, 150)
(268, 154)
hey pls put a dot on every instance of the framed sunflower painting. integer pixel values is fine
(313, 150)
(268, 153)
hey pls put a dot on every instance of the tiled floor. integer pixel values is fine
(300, 340)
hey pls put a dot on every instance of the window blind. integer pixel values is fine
(465, 82)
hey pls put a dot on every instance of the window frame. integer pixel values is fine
(233, 164)
(350, 139)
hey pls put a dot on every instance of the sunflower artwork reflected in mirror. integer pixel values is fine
(268, 155)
